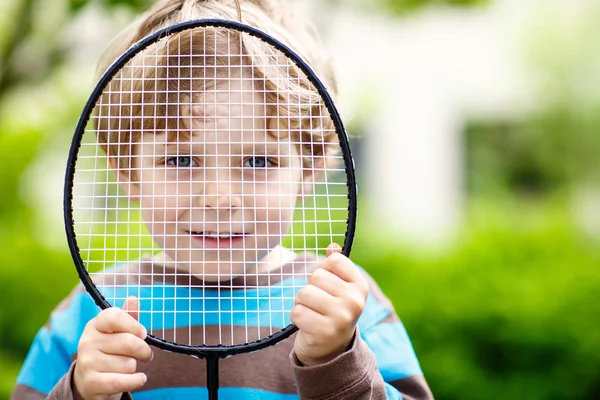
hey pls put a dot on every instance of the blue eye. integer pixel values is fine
(181, 161)
(257, 162)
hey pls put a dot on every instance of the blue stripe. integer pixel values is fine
(267, 307)
(68, 324)
(202, 393)
(396, 358)
(45, 364)
(372, 314)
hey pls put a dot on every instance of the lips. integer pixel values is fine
(217, 239)
(215, 235)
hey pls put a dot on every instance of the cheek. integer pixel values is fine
(159, 205)
(275, 203)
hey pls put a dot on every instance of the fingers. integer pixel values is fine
(315, 299)
(116, 364)
(101, 362)
(320, 338)
(333, 248)
(340, 265)
(114, 320)
(122, 344)
(339, 277)
(327, 309)
(307, 319)
(341, 311)
(109, 383)
(108, 352)
(125, 344)
(132, 307)
(328, 282)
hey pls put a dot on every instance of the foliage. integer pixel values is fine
(508, 157)
(509, 312)
(138, 5)
(403, 6)
(554, 150)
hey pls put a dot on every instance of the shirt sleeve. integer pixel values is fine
(351, 375)
(380, 364)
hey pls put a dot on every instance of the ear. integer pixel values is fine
(129, 186)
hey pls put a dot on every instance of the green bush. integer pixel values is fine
(510, 312)
(33, 281)
(10, 368)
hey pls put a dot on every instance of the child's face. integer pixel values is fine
(218, 202)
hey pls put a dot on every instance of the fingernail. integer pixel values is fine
(144, 333)
(152, 356)
(144, 378)
(333, 248)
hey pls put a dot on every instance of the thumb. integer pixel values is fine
(132, 307)
(333, 248)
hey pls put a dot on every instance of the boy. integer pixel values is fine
(86, 354)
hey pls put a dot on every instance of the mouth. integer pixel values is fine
(217, 239)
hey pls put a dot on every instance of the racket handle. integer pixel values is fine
(212, 377)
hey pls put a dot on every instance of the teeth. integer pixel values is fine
(215, 236)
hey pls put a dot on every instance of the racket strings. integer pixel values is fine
(208, 171)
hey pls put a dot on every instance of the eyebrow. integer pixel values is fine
(169, 146)
(268, 148)
(246, 147)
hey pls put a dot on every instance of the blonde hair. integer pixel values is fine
(146, 88)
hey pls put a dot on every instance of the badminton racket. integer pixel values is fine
(208, 171)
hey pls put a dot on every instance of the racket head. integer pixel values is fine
(76, 237)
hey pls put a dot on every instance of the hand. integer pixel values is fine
(327, 308)
(108, 352)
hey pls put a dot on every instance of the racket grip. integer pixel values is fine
(212, 377)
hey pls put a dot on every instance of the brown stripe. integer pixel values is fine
(61, 391)
(23, 392)
(268, 369)
(302, 266)
(145, 272)
(413, 388)
(215, 335)
(120, 276)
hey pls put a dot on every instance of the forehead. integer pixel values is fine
(233, 100)
(231, 112)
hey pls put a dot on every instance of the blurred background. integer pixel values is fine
(476, 128)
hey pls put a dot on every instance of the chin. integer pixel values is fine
(216, 272)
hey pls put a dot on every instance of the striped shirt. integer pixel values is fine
(380, 364)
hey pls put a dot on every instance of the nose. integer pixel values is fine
(220, 201)
(219, 191)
